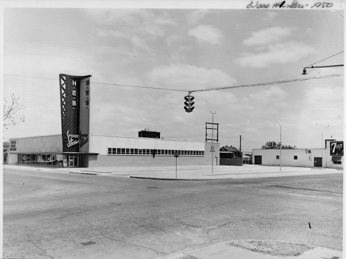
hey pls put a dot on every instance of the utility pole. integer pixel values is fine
(280, 148)
(322, 147)
(212, 142)
(240, 143)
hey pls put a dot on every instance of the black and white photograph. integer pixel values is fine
(175, 132)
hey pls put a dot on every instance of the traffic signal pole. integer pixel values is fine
(212, 142)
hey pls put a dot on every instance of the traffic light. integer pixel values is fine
(189, 103)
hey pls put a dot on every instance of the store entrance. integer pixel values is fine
(73, 161)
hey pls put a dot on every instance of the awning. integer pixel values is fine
(53, 153)
(79, 153)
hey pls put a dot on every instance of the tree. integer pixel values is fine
(270, 145)
(12, 111)
(274, 145)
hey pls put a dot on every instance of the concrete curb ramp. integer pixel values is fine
(257, 249)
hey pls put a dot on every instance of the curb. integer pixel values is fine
(176, 179)
(82, 173)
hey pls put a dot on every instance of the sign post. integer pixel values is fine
(212, 150)
(176, 155)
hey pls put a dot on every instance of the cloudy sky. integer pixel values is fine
(179, 49)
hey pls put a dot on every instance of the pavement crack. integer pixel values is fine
(213, 228)
(132, 244)
(203, 233)
(302, 189)
(99, 230)
(43, 251)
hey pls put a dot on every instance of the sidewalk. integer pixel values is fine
(256, 249)
(188, 172)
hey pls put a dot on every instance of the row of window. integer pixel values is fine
(49, 159)
(335, 160)
(164, 152)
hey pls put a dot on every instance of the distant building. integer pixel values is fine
(247, 158)
(230, 156)
(306, 157)
(5, 150)
(148, 134)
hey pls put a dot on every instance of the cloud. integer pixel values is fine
(280, 53)
(184, 76)
(322, 97)
(271, 15)
(268, 95)
(195, 16)
(207, 34)
(322, 109)
(273, 34)
(128, 16)
(137, 28)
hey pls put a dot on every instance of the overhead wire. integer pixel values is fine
(325, 58)
(197, 90)
(264, 83)
(109, 84)
(141, 86)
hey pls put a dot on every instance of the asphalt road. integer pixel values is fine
(61, 215)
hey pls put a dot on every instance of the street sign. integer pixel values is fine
(336, 148)
(212, 149)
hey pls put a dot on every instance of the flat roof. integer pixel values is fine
(112, 136)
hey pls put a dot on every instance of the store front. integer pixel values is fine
(54, 160)
(76, 159)
(44, 159)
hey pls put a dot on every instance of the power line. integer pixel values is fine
(140, 86)
(264, 84)
(109, 84)
(325, 58)
(198, 90)
(36, 77)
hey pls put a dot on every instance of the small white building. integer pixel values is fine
(307, 157)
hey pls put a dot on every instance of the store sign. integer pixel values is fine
(83, 139)
(72, 139)
(336, 148)
(75, 114)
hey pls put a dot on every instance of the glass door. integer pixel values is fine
(73, 161)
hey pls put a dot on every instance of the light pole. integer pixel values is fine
(322, 139)
(212, 142)
(322, 147)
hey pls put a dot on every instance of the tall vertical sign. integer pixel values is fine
(75, 112)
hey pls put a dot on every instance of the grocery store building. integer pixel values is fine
(76, 147)
(110, 151)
